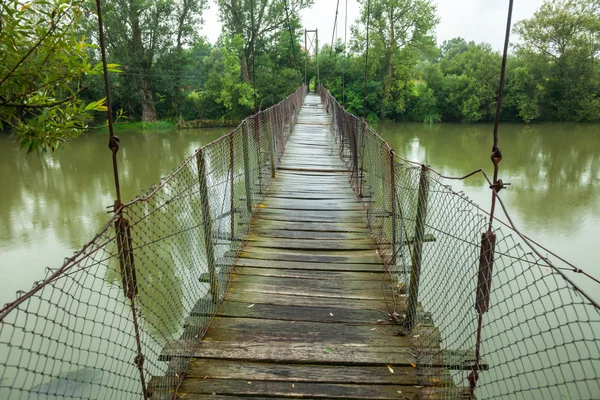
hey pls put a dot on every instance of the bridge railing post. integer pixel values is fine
(417, 253)
(247, 175)
(270, 143)
(256, 134)
(207, 226)
(231, 185)
(393, 195)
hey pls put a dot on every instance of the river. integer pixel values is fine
(553, 169)
(52, 205)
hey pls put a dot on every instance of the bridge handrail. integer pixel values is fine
(151, 278)
(539, 332)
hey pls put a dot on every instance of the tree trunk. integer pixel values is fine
(245, 70)
(148, 110)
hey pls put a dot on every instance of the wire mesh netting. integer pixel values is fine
(539, 335)
(123, 316)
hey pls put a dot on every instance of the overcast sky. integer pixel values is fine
(478, 20)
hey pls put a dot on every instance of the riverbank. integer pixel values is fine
(169, 125)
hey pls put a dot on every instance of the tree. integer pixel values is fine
(140, 31)
(398, 27)
(42, 64)
(561, 44)
(253, 19)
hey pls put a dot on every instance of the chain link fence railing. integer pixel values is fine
(539, 333)
(123, 316)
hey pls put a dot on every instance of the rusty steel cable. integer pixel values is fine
(488, 241)
(333, 34)
(123, 243)
(345, 56)
(292, 41)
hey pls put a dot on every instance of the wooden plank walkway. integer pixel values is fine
(305, 315)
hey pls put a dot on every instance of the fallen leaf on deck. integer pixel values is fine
(329, 349)
(251, 305)
(206, 377)
(293, 385)
(372, 329)
(331, 314)
(413, 365)
(390, 368)
(416, 336)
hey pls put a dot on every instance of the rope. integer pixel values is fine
(366, 61)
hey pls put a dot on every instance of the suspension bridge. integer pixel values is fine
(299, 257)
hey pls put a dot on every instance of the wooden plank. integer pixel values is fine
(298, 265)
(334, 353)
(313, 274)
(259, 330)
(310, 226)
(312, 244)
(289, 255)
(257, 371)
(309, 390)
(298, 313)
(301, 300)
(263, 233)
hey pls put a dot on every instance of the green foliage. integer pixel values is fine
(42, 65)
(235, 95)
(49, 90)
(552, 75)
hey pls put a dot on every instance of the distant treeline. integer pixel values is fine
(52, 87)
(553, 73)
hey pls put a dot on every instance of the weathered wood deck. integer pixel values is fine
(305, 315)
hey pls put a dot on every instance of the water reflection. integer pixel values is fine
(51, 205)
(554, 170)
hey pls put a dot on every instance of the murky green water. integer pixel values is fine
(554, 171)
(51, 206)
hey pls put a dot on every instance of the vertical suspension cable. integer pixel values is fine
(113, 141)
(496, 156)
(488, 240)
(305, 59)
(252, 52)
(333, 33)
(345, 56)
(366, 61)
(317, 56)
(292, 41)
(123, 232)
